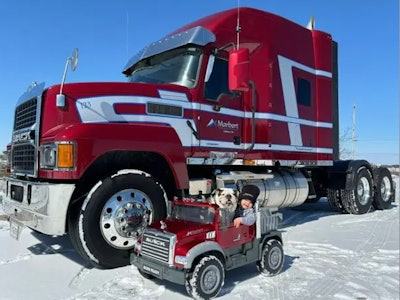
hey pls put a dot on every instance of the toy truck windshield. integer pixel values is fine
(198, 214)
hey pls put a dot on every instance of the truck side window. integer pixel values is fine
(303, 92)
(218, 80)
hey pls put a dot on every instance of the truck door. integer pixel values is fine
(221, 114)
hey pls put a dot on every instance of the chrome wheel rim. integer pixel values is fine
(122, 217)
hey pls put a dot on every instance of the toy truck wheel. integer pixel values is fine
(358, 200)
(272, 258)
(188, 287)
(107, 224)
(207, 278)
(384, 190)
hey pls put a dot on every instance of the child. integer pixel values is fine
(244, 213)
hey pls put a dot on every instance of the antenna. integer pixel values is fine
(127, 35)
(353, 133)
(238, 25)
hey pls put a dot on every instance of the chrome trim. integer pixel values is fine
(44, 205)
(196, 35)
(34, 91)
(257, 162)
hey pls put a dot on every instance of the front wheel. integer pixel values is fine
(272, 258)
(207, 278)
(105, 227)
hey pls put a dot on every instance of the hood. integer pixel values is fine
(183, 228)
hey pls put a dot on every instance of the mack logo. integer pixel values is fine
(22, 136)
(155, 242)
(223, 125)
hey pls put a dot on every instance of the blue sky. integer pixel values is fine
(36, 37)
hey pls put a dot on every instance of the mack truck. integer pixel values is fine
(198, 242)
(242, 96)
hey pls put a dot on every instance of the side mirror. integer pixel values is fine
(74, 59)
(60, 98)
(239, 77)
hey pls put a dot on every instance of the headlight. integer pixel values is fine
(60, 155)
(48, 156)
(182, 260)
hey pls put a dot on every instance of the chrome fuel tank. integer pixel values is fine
(282, 188)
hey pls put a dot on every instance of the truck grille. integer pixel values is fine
(23, 159)
(157, 245)
(25, 114)
(23, 154)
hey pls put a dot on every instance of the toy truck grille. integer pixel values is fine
(158, 245)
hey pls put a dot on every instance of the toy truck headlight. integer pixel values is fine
(181, 260)
(137, 248)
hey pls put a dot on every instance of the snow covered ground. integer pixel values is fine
(327, 256)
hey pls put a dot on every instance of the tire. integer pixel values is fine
(272, 258)
(384, 190)
(188, 287)
(146, 275)
(207, 278)
(335, 200)
(105, 227)
(358, 200)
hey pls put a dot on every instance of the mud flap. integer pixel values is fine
(15, 228)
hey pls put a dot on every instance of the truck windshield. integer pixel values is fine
(178, 66)
(204, 215)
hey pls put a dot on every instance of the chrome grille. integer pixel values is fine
(23, 159)
(25, 114)
(157, 246)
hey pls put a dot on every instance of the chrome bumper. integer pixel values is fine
(40, 206)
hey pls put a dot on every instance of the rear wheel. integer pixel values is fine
(384, 190)
(105, 227)
(335, 200)
(358, 200)
(272, 258)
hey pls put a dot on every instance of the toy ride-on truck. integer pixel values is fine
(197, 243)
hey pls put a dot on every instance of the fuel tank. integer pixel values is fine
(278, 188)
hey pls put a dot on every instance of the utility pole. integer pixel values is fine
(353, 132)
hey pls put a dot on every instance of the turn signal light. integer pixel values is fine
(66, 155)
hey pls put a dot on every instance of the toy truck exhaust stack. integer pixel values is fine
(211, 105)
(198, 242)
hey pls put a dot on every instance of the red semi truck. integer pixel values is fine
(217, 103)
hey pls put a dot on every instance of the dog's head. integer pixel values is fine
(225, 198)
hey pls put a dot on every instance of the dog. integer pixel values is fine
(226, 198)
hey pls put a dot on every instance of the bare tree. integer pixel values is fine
(345, 140)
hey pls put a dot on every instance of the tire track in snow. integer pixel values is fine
(79, 278)
(121, 288)
(347, 272)
(16, 259)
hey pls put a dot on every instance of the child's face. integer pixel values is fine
(246, 203)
